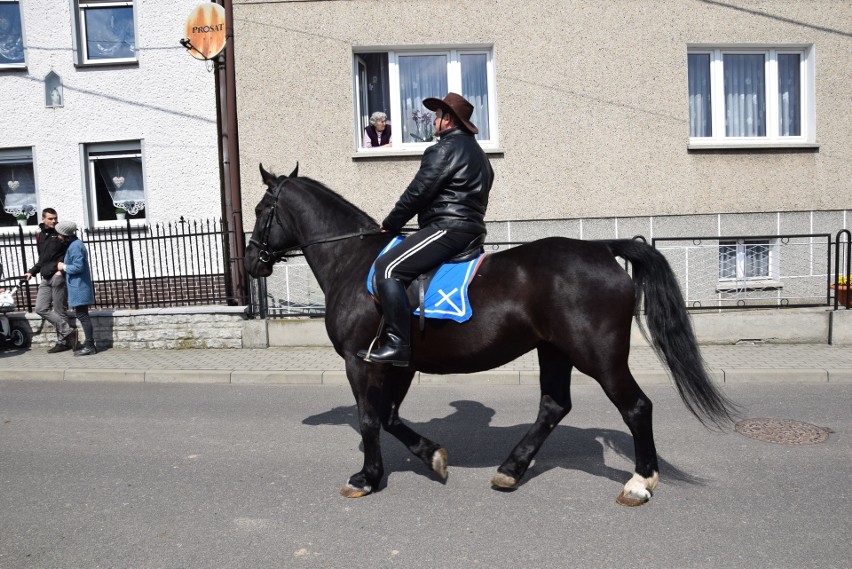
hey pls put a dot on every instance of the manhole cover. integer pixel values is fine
(782, 431)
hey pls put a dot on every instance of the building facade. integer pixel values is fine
(104, 115)
(675, 118)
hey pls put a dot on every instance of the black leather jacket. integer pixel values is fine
(450, 191)
(51, 250)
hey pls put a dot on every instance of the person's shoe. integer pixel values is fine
(71, 340)
(396, 348)
(61, 346)
(87, 350)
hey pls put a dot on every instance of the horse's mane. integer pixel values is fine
(353, 212)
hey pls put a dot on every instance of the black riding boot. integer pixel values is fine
(396, 348)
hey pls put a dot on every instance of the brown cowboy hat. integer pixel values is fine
(456, 105)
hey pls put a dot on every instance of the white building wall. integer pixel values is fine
(167, 101)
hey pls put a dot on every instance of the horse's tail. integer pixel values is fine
(670, 331)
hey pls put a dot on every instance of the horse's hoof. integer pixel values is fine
(439, 463)
(503, 481)
(349, 491)
(632, 500)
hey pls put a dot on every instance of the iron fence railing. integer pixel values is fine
(168, 264)
(776, 271)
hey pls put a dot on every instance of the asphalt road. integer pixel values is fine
(225, 476)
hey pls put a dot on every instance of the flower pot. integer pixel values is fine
(843, 296)
(120, 216)
(22, 221)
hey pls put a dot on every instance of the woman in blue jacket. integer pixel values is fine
(78, 276)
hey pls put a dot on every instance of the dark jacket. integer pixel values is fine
(51, 250)
(376, 138)
(450, 191)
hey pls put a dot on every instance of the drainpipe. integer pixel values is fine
(229, 148)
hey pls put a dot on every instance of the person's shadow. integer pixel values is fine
(471, 442)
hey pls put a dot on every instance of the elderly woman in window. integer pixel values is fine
(379, 132)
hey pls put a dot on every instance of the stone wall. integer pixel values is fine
(158, 328)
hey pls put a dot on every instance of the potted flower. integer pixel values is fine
(120, 213)
(842, 288)
(22, 219)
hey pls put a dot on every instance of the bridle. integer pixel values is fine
(266, 255)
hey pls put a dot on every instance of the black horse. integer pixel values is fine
(568, 299)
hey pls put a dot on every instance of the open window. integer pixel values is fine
(396, 82)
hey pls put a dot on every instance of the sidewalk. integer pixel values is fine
(316, 365)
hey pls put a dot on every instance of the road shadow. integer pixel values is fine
(472, 442)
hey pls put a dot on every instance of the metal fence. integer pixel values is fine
(715, 273)
(168, 264)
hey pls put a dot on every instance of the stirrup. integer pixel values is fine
(365, 354)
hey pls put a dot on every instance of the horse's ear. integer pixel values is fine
(295, 172)
(268, 178)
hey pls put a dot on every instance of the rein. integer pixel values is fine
(266, 255)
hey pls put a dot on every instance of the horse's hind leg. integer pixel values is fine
(431, 453)
(635, 408)
(554, 405)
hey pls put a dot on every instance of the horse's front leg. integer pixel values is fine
(397, 382)
(366, 384)
(554, 405)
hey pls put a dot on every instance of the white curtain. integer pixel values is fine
(745, 95)
(474, 70)
(123, 180)
(700, 114)
(17, 188)
(420, 77)
(789, 100)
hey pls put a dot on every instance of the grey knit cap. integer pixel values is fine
(66, 228)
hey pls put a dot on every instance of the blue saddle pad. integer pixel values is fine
(446, 297)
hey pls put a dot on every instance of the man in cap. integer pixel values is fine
(52, 295)
(449, 195)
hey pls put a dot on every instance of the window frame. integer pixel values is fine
(454, 84)
(105, 151)
(23, 64)
(81, 49)
(807, 93)
(769, 280)
(21, 155)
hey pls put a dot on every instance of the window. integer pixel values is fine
(11, 35)
(747, 259)
(105, 32)
(396, 82)
(17, 188)
(114, 182)
(751, 97)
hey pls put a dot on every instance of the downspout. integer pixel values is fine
(230, 148)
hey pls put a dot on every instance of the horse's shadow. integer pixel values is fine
(472, 442)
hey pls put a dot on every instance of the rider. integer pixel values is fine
(449, 194)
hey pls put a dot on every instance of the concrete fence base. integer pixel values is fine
(229, 327)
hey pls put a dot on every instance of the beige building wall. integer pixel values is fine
(591, 101)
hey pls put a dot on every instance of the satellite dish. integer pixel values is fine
(205, 31)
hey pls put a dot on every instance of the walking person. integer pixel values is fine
(52, 295)
(449, 196)
(81, 291)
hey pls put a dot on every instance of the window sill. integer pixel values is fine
(90, 64)
(757, 284)
(369, 154)
(756, 145)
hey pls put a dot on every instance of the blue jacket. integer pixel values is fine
(78, 275)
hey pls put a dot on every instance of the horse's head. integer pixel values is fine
(271, 236)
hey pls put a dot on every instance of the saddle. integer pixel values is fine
(418, 288)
